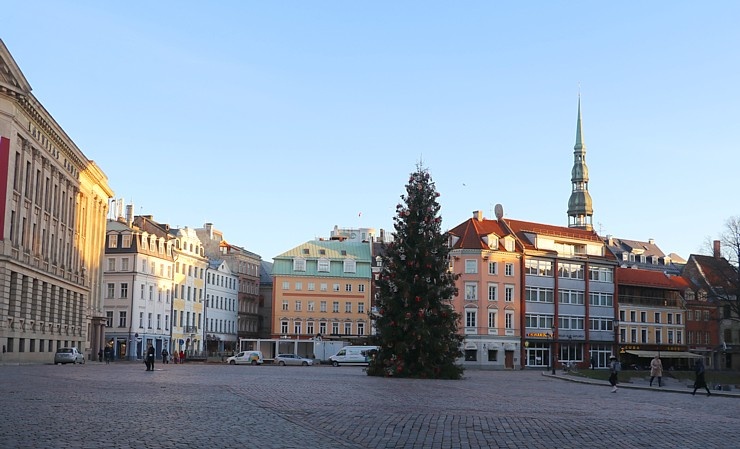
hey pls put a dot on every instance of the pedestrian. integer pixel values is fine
(149, 360)
(176, 357)
(593, 362)
(614, 368)
(700, 382)
(165, 355)
(107, 353)
(100, 355)
(656, 370)
(182, 357)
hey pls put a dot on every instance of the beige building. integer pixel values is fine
(53, 206)
(188, 292)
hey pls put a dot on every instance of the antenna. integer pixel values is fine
(499, 211)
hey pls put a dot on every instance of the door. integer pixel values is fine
(509, 359)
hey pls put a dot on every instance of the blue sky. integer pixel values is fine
(277, 121)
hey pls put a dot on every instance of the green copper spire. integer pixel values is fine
(580, 208)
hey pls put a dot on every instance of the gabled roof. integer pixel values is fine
(649, 278)
(521, 227)
(471, 231)
(715, 274)
(10, 74)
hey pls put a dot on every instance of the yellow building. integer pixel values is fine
(53, 207)
(188, 292)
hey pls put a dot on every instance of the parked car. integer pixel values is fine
(246, 358)
(354, 355)
(68, 355)
(292, 359)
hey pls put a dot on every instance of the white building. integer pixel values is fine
(137, 286)
(222, 289)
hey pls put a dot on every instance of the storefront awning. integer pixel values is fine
(665, 354)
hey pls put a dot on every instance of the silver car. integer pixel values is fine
(68, 355)
(292, 359)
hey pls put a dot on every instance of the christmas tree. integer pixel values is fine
(416, 323)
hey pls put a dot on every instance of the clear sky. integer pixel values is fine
(277, 121)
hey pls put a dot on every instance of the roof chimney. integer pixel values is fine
(651, 241)
(478, 215)
(716, 249)
(129, 214)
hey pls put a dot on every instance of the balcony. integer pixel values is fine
(190, 329)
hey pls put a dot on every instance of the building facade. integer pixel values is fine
(189, 292)
(221, 307)
(321, 289)
(246, 266)
(137, 284)
(53, 207)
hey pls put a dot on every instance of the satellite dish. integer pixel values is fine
(499, 211)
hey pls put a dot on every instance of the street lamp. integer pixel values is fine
(552, 349)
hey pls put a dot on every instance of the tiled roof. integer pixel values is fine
(332, 249)
(470, 232)
(649, 278)
(519, 226)
(718, 272)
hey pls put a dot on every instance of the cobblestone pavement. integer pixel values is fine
(217, 406)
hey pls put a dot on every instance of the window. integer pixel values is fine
(570, 270)
(310, 308)
(335, 287)
(299, 264)
(601, 299)
(361, 307)
(600, 274)
(322, 328)
(361, 288)
(322, 306)
(124, 264)
(285, 305)
(470, 319)
(658, 337)
(347, 328)
(283, 327)
(111, 290)
(124, 290)
(323, 265)
(323, 287)
(678, 318)
(121, 319)
(149, 320)
(471, 266)
(286, 285)
(492, 267)
(633, 316)
(538, 321)
(570, 297)
(491, 319)
(643, 317)
(347, 287)
(297, 328)
(335, 328)
(471, 291)
(539, 294)
(600, 324)
(669, 319)
(566, 322)
(111, 264)
(309, 328)
(335, 307)
(299, 286)
(509, 269)
(113, 241)
(298, 306)
(141, 320)
(347, 307)
(350, 265)
(509, 320)
(534, 267)
(657, 317)
(151, 292)
(360, 328)
(109, 319)
(492, 292)
(509, 293)
(311, 287)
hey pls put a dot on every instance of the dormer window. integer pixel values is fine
(491, 240)
(299, 264)
(344, 253)
(305, 251)
(632, 257)
(625, 256)
(509, 244)
(112, 240)
(322, 252)
(350, 265)
(642, 259)
(323, 265)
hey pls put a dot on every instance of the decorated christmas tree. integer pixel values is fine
(416, 323)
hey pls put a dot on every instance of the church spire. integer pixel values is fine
(580, 208)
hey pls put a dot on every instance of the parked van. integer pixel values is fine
(353, 355)
(246, 358)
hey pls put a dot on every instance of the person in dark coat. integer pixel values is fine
(108, 354)
(149, 360)
(700, 382)
(165, 354)
(100, 355)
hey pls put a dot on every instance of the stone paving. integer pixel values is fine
(214, 406)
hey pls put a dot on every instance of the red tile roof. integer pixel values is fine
(471, 230)
(649, 278)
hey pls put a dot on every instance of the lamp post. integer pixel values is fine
(616, 336)
(552, 350)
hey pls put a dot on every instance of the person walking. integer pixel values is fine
(100, 355)
(107, 354)
(150, 358)
(165, 355)
(656, 370)
(614, 368)
(700, 382)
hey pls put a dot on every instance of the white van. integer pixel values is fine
(246, 358)
(353, 355)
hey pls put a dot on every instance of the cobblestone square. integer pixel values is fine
(217, 406)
